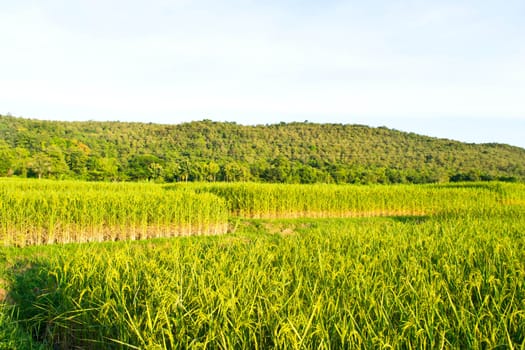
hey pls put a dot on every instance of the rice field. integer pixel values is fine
(415, 267)
(44, 212)
(253, 200)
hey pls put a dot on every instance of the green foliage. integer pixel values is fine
(329, 200)
(400, 282)
(35, 212)
(12, 335)
(213, 151)
(445, 268)
(45, 211)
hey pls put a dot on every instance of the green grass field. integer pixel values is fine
(315, 267)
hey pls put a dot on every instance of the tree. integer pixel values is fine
(170, 171)
(7, 158)
(59, 168)
(213, 151)
(234, 171)
(184, 170)
(41, 165)
(21, 161)
(77, 157)
(103, 169)
(212, 169)
(155, 171)
(144, 167)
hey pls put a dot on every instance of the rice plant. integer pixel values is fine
(36, 212)
(437, 267)
(396, 282)
(324, 200)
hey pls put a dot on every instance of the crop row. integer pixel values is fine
(410, 283)
(321, 200)
(34, 212)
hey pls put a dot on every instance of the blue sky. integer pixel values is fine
(453, 69)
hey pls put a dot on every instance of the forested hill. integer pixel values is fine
(215, 151)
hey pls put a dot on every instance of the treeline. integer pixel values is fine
(217, 151)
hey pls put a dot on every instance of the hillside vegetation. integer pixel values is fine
(216, 151)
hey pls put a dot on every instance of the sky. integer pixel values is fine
(450, 68)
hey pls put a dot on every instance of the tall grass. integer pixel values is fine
(322, 200)
(318, 284)
(35, 212)
(447, 273)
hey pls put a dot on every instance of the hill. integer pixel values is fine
(217, 151)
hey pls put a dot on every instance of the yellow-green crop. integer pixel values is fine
(35, 212)
(447, 273)
(315, 284)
